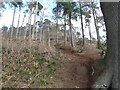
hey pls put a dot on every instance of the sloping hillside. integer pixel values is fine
(36, 65)
(77, 70)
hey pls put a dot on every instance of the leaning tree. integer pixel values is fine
(110, 73)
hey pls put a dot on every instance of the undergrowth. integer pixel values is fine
(27, 68)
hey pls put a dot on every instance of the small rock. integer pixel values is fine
(51, 77)
(77, 87)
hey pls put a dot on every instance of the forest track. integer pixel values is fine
(77, 69)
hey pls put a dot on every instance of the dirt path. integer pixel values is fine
(77, 70)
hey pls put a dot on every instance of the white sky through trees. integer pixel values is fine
(7, 16)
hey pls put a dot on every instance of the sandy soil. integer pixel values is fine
(76, 69)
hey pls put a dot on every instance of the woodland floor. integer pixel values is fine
(73, 70)
(77, 69)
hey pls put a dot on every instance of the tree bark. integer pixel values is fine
(118, 45)
(57, 28)
(33, 32)
(109, 75)
(22, 25)
(18, 24)
(83, 36)
(13, 23)
(71, 32)
(89, 31)
(30, 19)
(41, 29)
(40, 34)
(49, 36)
(26, 29)
(65, 33)
(96, 27)
(36, 29)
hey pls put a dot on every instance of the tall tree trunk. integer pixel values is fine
(18, 24)
(57, 30)
(28, 27)
(57, 26)
(40, 34)
(13, 22)
(83, 36)
(71, 32)
(118, 61)
(43, 35)
(48, 36)
(41, 19)
(109, 75)
(89, 31)
(30, 19)
(36, 28)
(22, 25)
(65, 33)
(96, 26)
(33, 32)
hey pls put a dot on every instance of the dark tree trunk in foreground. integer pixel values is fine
(110, 73)
(119, 45)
